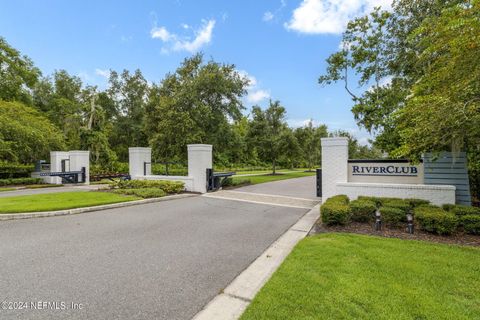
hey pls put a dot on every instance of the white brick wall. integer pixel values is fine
(334, 164)
(436, 194)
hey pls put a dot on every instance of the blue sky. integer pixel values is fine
(280, 45)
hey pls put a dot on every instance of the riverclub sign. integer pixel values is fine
(392, 171)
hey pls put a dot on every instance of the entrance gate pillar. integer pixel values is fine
(334, 164)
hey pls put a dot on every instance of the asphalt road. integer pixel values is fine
(304, 187)
(157, 261)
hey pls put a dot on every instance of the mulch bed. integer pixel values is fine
(368, 229)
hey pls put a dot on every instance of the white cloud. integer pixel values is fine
(102, 73)
(268, 16)
(160, 33)
(255, 93)
(202, 36)
(255, 96)
(330, 16)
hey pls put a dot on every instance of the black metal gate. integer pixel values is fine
(319, 182)
(69, 176)
(216, 180)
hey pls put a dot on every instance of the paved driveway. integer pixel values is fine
(304, 187)
(156, 261)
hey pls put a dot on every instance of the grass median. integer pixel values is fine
(345, 276)
(60, 201)
(269, 177)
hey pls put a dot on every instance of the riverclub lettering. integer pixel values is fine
(389, 170)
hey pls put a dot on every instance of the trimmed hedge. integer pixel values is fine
(392, 216)
(417, 202)
(471, 223)
(335, 213)
(436, 220)
(336, 210)
(142, 193)
(165, 185)
(363, 210)
(460, 210)
(14, 170)
(403, 205)
(20, 181)
(341, 198)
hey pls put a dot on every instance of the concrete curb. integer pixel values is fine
(232, 302)
(29, 215)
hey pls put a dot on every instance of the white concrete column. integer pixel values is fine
(56, 158)
(137, 157)
(199, 160)
(78, 160)
(334, 164)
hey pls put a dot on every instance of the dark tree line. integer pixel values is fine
(200, 102)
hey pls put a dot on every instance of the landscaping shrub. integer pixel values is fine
(403, 205)
(13, 170)
(362, 210)
(448, 207)
(335, 212)
(392, 216)
(460, 210)
(20, 181)
(471, 223)
(341, 198)
(436, 220)
(375, 200)
(165, 185)
(417, 202)
(143, 193)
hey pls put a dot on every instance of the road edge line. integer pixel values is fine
(235, 298)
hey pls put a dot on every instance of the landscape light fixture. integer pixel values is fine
(410, 223)
(378, 220)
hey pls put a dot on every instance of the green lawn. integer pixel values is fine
(7, 189)
(59, 201)
(346, 276)
(268, 171)
(269, 177)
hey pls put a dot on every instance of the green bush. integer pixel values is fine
(363, 210)
(14, 170)
(341, 198)
(142, 193)
(165, 185)
(448, 207)
(335, 212)
(436, 220)
(417, 202)
(401, 204)
(392, 216)
(471, 223)
(460, 210)
(20, 181)
(375, 200)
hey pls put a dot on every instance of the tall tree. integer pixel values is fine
(194, 105)
(25, 134)
(378, 51)
(130, 93)
(309, 138)
(268, 130)
(18, 75)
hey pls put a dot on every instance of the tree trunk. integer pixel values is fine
(274, 164)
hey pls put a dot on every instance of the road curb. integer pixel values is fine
(232, 302)
(30, 215)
